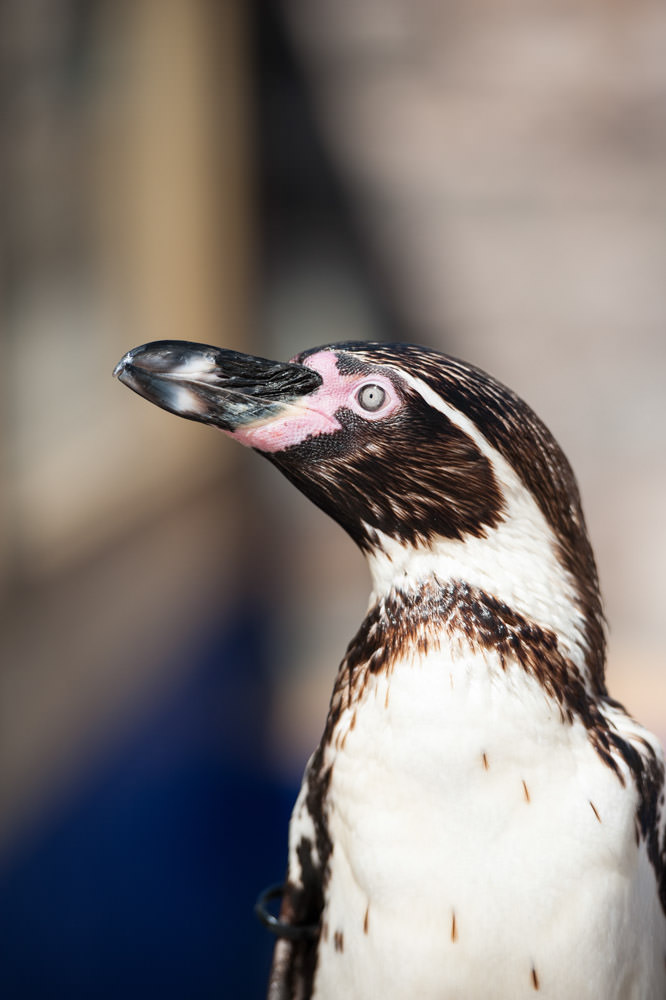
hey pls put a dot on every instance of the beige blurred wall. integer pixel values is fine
(160, 146)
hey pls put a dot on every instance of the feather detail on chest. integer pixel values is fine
(479, 804)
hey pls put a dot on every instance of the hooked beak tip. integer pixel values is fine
(213, 385)
(129, 358)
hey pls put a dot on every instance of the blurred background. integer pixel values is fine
(485, 177)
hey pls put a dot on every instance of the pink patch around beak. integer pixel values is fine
(315, 414)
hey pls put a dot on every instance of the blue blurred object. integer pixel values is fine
(144, 883)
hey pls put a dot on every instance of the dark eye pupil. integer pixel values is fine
(371, 397)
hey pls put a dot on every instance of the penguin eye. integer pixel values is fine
(371, 397)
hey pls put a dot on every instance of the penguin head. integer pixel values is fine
(430, 464)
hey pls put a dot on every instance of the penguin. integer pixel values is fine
(480, 818)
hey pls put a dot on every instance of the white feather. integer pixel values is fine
(424, 829)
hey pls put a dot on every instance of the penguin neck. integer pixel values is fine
(515, 582)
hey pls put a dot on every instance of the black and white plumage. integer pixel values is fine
(480, 818)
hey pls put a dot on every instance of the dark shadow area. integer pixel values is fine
(144, 881)
(306, 218)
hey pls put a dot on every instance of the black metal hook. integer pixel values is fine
(277, 926)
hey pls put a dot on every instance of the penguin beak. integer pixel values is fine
(214, 386)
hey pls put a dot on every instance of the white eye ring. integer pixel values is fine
(371, 397)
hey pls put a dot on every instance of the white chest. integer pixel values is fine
(481, 848)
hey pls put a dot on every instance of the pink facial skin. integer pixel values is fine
(315, 414)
